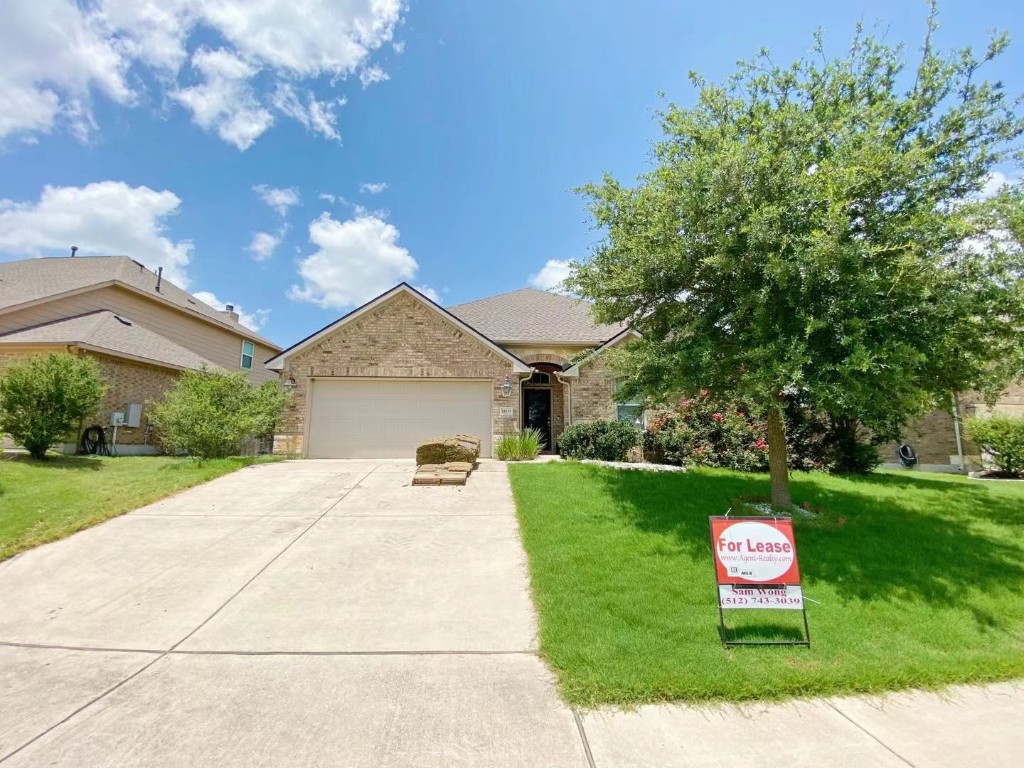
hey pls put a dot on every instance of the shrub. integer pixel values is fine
(45, 398)
(1002, 437)
(208, 414)
(703, 433)
(605, 440)
(519, 446)
(817, 441)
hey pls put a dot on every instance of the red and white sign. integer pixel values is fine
(753, 550)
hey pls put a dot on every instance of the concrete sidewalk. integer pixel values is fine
(975, 727)
(327, 613)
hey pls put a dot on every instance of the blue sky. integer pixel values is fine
(296, 157)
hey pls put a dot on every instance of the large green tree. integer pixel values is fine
(819, 228)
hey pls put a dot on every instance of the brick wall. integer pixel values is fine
(401, 338)
(131, 382)
(934, 437)
(126, 382)
(593, 394)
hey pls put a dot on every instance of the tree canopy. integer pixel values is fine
(820, 228)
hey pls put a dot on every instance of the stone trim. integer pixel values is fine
(546, 358)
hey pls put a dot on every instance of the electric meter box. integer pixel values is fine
(134, 415)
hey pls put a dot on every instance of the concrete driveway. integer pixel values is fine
(326, 613)
(312, 613)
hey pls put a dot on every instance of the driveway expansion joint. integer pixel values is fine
(272, 560)
(204, 652)
(162, 654)
(583, 738)
(864, 730)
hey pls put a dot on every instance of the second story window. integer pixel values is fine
(248, 350)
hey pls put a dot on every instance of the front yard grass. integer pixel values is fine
(42, 501)
(919, 578)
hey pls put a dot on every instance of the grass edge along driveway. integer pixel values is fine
(42, 501)
(919, 578)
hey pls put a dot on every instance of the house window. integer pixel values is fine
(628, 409)
(248, 350)
(539, 377)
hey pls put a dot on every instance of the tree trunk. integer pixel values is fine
(778, 463)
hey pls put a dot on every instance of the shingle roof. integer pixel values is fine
(33, 279)
(105, 331)
(532, 315)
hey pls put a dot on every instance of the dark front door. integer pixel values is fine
(537, 414)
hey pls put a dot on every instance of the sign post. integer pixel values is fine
(756, 567)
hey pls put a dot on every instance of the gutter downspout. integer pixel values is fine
(568, 396)
(959, 439)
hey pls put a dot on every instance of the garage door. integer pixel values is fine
(381, 418)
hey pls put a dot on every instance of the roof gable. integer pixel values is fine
(277, 363)
(31, 281)
(529, 315)
(573, 371)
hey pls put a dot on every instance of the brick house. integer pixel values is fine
(140, 328)
(401, 369)
(938, 438)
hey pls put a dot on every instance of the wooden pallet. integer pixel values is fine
(442, 474)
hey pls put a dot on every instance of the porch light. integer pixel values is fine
(506, 386)
(289, 383)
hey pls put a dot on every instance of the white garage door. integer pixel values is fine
(381, 418)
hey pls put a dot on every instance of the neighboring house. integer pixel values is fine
(935, 437)
(401, 369)
(142, 330)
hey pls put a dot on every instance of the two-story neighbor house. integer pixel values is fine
(142, 330)
(401, 369)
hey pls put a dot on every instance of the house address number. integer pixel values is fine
(505, 412)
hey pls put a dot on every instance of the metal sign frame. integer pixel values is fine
(722, 629)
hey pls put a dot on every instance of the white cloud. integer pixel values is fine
(264, 244)
(318, 116)
(225, 101)
(398, 46)
(355, 260)
(55, 54)
(371, 75)
(58, 53)
(326, 196)
(551, 275)
(278, 199)
(373, 188)
(105, 218)
(429, 292)
(254, 320)
(995, 182)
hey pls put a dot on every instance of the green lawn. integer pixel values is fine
(42, 501)
(919, 578)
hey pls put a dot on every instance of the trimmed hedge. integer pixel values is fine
(604, 440)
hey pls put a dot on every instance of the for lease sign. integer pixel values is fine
(753, 550)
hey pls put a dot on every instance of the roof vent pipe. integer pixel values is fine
(159, 278)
